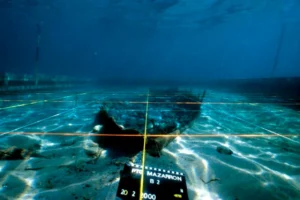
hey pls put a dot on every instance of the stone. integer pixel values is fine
(224, 150)
(14, 153)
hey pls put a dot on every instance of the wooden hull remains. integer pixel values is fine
(160, 132)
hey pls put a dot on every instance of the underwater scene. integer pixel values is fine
(150, 99)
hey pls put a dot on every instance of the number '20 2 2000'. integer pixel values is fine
(145, 195)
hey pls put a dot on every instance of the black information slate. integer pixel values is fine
(159, 184)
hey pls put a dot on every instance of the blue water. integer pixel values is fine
(151, 39)
(264, 138)
(121, 42)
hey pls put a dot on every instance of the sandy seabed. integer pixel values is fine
(264, 138)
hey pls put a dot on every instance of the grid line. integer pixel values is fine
(204, 135)
(143, 102)
(144, 150)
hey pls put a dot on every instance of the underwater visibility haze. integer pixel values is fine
(150, 99)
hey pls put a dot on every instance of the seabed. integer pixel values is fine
(264, 138)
